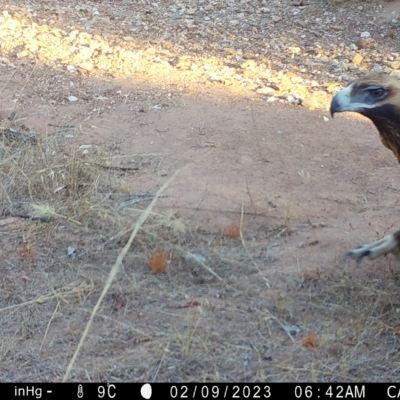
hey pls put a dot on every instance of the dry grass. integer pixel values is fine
(211, 315)
(220, 310)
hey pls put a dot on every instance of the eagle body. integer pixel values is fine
(377, 97)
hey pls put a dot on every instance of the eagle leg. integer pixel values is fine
(389, 244)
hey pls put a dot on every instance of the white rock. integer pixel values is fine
(326, 119)
(265, 90)
(365, 34)
(71, 250)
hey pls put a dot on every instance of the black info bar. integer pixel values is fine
(162, 391)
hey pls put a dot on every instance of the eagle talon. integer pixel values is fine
(356, 255)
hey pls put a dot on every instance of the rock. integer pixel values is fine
(87, 65)
(85, 53)
(348, 66)
(265, 90)
(72, 99)
(293, 100)
(365, 34)
(365, 43)
(394, 64)
(395, 74)
(276, 18)
(294, 50)
(358, 58)
(177, 16)
(310, 103)
(22, 54)
(292, 329)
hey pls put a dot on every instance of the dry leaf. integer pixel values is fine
(119, 302)
(158, 262)
(73, 332)
(310, 340)
(396, 330)
(231, 231)
(310, 276)
(25, 251)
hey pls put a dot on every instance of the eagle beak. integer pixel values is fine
(341, 101)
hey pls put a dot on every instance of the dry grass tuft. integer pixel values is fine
(52, 179)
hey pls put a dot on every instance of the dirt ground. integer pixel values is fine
(268, 198)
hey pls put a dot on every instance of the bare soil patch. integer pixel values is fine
(236, 275)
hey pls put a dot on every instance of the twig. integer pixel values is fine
(48, 325)
(62, 126)
(112, 167)
(266, 280)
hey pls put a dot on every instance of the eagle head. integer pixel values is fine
(377, 97)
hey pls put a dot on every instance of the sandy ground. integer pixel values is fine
(303, 187)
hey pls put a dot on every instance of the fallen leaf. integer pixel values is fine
(73, 332)
(119, 302)
(25, 251)
(310, 340)
(310, 276)
(396, 330)
(231, 231)
(158, 262)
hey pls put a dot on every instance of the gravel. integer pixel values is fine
(296, 52)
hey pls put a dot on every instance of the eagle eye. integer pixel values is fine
(376, 92)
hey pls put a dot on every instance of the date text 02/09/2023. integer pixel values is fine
(269, 391)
